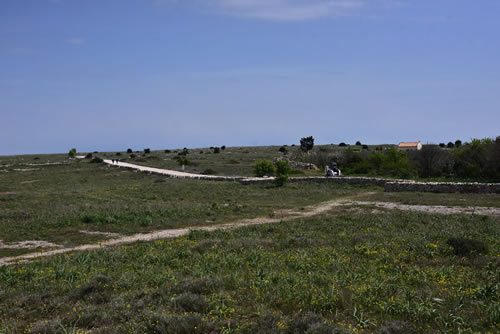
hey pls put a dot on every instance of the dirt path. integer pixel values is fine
(171, 173)
(281, 215)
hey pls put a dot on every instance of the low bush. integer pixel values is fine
(283, 149)
(88, 156)
(72, 153)
(264, 168)
(98, 290)
(178, 324)
(209, 171)
(190, 302)
(147, 151)
(129, 150)
(466, 246)
(342, 144)
(216, 150)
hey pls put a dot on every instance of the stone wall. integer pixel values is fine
(393, 185)
(443, 187)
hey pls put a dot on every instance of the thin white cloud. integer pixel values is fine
(286, 10)
(75, 41)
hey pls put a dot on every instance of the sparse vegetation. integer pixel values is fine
(341, 272)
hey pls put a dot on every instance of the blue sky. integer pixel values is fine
(106, 75)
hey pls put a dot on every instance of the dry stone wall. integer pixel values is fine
(392, 185)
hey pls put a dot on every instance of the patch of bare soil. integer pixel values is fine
(280, 215)
(30, 182)
(7, 193)
(105, 234)
(446, 210)
(28, 244)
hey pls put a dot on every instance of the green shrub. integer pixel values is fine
(147, 151)
(177, 324)
(129, 150)
(283, 149)
(223, 147)
(88, 156)
(264, 168)
(209, 172)
(190, 302)
(72, 152)
(98, 290)
(283, 170)
(216, 150)
(358, 143)
(466, 246)
(342, 144)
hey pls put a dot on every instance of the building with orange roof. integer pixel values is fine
(410, 146)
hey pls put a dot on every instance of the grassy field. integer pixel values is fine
(343, 272)
(353, 269)
(56, 202)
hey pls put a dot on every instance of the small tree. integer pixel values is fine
(342, 144)
(306, 143)
(442, 145)
(283, 170)
(72, 153)
(358, 143)
(129, 150)
(458, 143)
(283, 149)
(450, 145)
(264, 168)
(147, 150)
(223, 147)
(182, 161)
(216, 150)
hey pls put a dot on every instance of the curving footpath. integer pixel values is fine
(182, 175)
